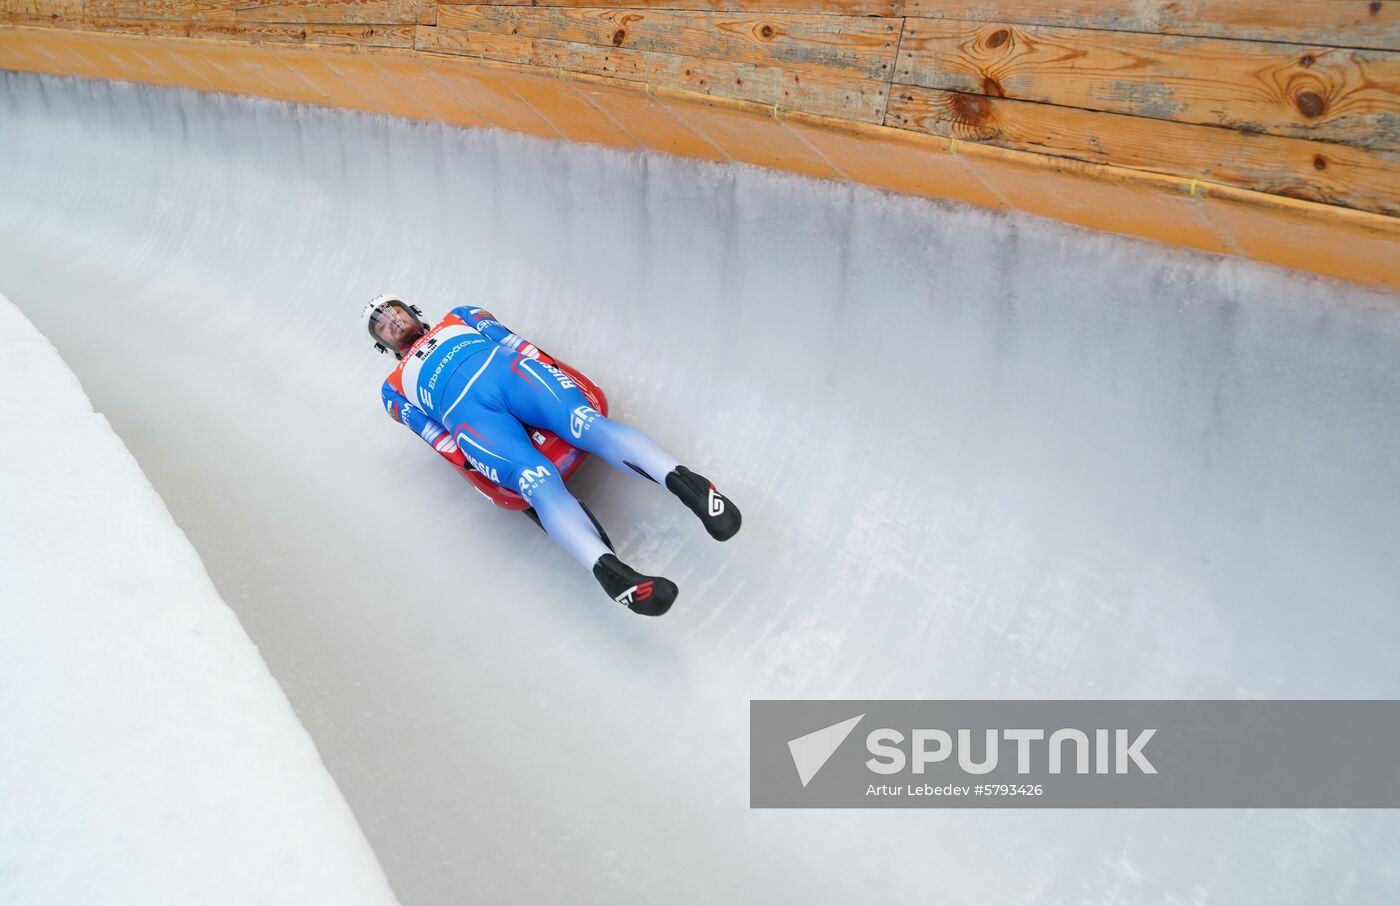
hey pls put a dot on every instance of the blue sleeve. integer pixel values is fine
(494, 330)
(422, 424)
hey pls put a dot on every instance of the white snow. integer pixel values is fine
(147, 756)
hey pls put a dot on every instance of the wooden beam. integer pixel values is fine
(848, 98)
(1350, 96)
(313, 12)
(1337, 23)
(824, 7)
(280, 32)
(42, 12)
(183, 10)
(837, 45)
(1293, 167)
(403, 12)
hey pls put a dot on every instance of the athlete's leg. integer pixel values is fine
(544, 396)
(498, 446)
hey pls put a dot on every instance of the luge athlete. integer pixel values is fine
(469, 387)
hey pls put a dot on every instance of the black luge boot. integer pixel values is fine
(720, 515)
(650, 596)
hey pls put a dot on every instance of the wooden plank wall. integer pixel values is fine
(1299, 98)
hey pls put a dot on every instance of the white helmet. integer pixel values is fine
(393, 325)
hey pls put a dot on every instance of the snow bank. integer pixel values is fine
(146, 754)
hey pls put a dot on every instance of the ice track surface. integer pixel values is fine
(978, 456)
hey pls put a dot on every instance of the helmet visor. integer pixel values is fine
(396, 326)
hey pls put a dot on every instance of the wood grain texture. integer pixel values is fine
(403, 12)
(847, 98)
(887, 8)
(42, 12)
(302, 12)
(184, 10)
(1336, 23)
(1293, 167)
(288, 32)
(1339, 95)
(837, 45)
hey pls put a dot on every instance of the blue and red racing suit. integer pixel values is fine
(469, 386)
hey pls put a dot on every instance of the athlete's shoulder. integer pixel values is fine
(394, 382)
(472, 316)
(455, 316)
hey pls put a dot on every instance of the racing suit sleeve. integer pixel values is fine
(440, 439)
(494, 330)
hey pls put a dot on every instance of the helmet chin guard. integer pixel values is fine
(393, 324)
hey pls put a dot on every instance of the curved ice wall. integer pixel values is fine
(979, 456)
